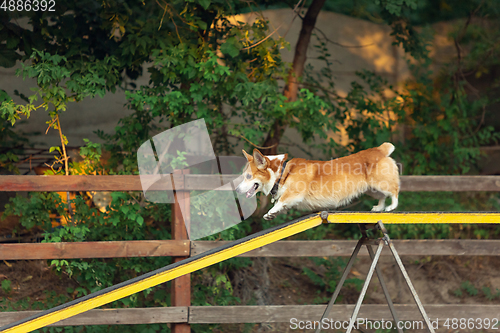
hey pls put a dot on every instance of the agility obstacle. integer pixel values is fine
(364, 219)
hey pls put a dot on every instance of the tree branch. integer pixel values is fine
(292, 86)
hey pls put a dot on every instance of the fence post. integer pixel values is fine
(181, 287)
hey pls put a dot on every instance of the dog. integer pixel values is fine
(321, 185)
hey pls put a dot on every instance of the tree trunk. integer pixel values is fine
(292, 86)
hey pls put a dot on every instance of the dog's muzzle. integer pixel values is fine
(252, 190)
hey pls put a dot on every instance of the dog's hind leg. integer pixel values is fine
(385, 181)
(382, 194)
(380, 207)
(393, 204)
(393, 193)
(381, 199)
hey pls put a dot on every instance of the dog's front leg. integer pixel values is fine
(278, 208)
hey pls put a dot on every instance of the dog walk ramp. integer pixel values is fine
(236, 248)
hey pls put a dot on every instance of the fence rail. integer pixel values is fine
(81, 250)
(181, 316)
(209, 182)
(287, 248)
(261, 314)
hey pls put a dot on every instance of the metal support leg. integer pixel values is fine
(382, 283)
(347, 269)
(365, 287)
(407, 278)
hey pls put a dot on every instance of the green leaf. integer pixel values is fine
(12, 42)
(231, 47)
(4, 97)
(204, 3)
(202, 25)
(6, 285)
(125, 209)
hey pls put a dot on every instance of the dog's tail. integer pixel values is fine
(387, 148)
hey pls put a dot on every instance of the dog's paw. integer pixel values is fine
(269, 216)
(390, 208)
(377, 208)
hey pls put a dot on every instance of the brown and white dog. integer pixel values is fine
(318, 185)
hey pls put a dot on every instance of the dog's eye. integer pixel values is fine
(249, 176)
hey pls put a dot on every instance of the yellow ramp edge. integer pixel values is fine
(414, 217)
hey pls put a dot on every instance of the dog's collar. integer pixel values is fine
(274, 190)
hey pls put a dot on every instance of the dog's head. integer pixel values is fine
(260, 173)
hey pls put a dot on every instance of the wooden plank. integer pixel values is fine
(261, 314)
(70, 183)
(181, 222)
(174, 248)
(450, 183)
(111, 316)
(344, 248)
(285, 313)
(117, 249)
(209, 182)
(14, 183)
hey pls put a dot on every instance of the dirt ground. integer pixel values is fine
(281, 281)
(436, 279)
(32, 278)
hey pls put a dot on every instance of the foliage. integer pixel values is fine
(470, 289)
(125, 219)
(489, 294)
(6, 286)
(59, 82)
(442, 131)
(445, 133)
(11, 142)
(245, 87)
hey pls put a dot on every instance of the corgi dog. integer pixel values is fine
(322, 185)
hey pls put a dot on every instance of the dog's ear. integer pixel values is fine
(286, 157)
(260, 160)
(248, 156)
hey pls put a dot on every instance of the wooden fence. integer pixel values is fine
(181, 314)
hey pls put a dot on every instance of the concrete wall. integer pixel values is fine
(354, 44)
(78, 122)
